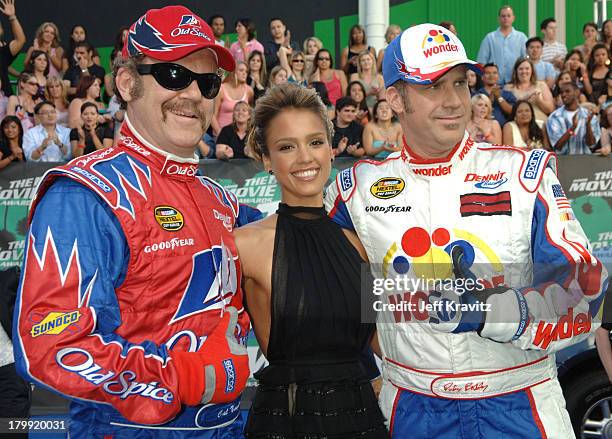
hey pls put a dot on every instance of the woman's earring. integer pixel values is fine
(271, 172)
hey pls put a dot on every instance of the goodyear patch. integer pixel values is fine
(387, 187)
(55, 323)
(169, 218)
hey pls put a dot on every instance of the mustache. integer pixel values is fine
(185, 106)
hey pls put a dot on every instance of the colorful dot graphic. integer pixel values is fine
(428, 255)
(438, 37)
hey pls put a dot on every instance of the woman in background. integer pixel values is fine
(474, 82)
(334, 80)
(11, 141)
(598, 70)
(294, 64)
(22, 104)
(524, 85)
(482, 126)
(358, 42)
(47, 39)
(39, 67)
(383, 135)
(258, 76)
(88, 90)
(56, 92)
(233, 90)
(247, 43)
(575, 66)
(372, 80)
(90, 136)
(357, 92)
(278, 76)
(523, 129)
(311, 46)
(302, 284)
(232, 138)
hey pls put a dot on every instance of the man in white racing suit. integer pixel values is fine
(475, 361)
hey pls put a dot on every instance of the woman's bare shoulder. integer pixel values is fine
(256, 231)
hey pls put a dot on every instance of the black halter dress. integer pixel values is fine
(315, 386)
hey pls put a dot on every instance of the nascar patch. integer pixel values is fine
(486, 204)
(55, 323)
(169, 218)
(387, 187)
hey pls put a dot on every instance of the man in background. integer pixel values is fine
(503, 46)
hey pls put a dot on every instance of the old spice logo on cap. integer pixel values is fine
(436, 41)
(172, 33)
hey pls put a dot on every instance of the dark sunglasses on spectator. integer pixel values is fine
(299, 60)
(176, 77)
(324, 59)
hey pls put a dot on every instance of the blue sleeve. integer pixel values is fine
(248, 214)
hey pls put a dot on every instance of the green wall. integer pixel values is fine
(473, 19)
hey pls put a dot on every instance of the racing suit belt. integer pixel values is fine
(470, 385)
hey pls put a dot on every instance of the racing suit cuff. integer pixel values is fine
(507, 316)
(190, 371)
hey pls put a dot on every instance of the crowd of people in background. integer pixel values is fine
(533, 92)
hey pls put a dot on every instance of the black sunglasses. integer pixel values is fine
(176, 77)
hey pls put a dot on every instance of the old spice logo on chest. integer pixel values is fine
(180, 169)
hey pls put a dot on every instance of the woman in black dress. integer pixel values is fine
(302, 283)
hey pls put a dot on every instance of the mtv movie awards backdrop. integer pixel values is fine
(586, 180)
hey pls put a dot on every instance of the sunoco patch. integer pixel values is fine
(55, 323)
(169, 218)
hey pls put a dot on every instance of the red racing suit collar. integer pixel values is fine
(437, 167)
(167, 164)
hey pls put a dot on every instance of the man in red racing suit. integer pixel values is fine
(130, 301)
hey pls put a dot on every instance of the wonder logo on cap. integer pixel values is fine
(423, 53)
(436, 42)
